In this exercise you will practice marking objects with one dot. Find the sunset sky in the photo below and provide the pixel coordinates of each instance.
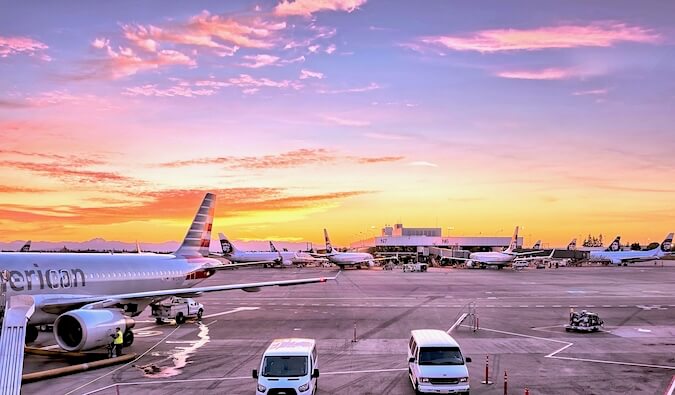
(116, 117)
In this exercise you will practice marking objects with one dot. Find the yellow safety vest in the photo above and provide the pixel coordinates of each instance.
(119, 339)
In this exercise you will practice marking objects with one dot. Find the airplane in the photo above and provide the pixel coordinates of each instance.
(86, 296)
(501, 259)
(299, 258)
(537, 245)
(351, 259)
(248, 258)
(26, 247)
(626, 257)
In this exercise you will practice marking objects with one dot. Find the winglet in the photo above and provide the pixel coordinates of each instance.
(198, 237)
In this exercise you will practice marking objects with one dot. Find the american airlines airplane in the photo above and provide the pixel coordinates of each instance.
(626, 257)
(274, 257)
(351, 259)
(86, 296)
(501, 259)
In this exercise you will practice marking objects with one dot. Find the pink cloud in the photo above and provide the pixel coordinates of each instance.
(252, 84)
(308, 7)
(125, 62)
(599, 34)
(257, 61)
(304, 74)
(21, 45)
(370, 87)
(256, 34)
(545, 74)
(177, 90)
(593, 92)
(140, 36)
(346, 122)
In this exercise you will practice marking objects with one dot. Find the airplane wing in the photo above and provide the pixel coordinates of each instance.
(536, 257)
(234, 265)
(62, 304)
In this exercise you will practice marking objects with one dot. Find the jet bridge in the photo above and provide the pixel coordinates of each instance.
(18, 310)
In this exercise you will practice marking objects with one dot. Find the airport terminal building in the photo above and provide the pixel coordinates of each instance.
(399, 239)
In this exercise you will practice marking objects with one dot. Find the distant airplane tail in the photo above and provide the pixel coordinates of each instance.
(572, 245)
(198, 237)
(226, 245)
(537, 245)
(26, 247)
(273, 248)
(329, 246)
(616, 245)
(514, 241)
(667, 244)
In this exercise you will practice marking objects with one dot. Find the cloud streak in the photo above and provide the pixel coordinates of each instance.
(10, 46)
(308, 7)
(598, 34)
(544, 74)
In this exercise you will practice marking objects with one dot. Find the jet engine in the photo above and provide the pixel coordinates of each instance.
(85, 329)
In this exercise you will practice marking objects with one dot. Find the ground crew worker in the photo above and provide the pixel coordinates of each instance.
(118, 341)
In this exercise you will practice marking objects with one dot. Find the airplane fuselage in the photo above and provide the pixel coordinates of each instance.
(617, 257)
(491, 258)
(257, 256)
(63, 275)
(350, 258)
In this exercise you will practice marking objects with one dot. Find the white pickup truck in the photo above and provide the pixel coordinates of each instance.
(177, 308)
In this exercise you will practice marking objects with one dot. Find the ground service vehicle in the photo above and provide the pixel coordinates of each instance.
(436, 364)
(288, 366)
(177, 308)
(584, 321)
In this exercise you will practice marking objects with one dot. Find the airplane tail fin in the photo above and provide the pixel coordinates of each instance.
(572, 245)
(198, 237)
(514, 241)
(329, 246)
(616, 245)
(667, 244)
(26, 247)
(537, 245)
(273, 248)
(226, 244)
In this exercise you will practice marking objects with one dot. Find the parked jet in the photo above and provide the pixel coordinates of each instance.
(86, 296)
(501, 259)
(537, 245)
(626, 257)
(299, 258)
(350, 259)
(274, 257)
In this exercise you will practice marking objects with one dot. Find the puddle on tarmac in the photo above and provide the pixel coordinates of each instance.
(179, 355)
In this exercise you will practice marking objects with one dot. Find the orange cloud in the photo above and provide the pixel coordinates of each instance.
(21, 45)
(545, 74)
(308, 7)
(599, 34)
(296, 158)
(171, 204)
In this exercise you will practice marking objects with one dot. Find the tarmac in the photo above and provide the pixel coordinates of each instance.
(520, 316)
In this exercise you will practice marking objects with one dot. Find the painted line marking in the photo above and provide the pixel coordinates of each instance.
(671, 389)
(238, 309)
(606, 305)
(160, 382)
(557, 305)
(523, 306)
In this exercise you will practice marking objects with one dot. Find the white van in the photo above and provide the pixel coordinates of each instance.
(288, 367)
(436, 364)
